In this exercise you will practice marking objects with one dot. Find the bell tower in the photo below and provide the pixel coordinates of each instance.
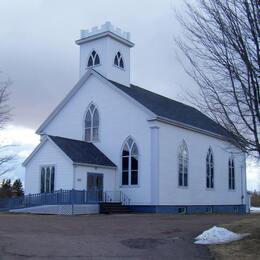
(107, 50)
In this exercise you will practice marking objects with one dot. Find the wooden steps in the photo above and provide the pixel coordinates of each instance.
(113, 208)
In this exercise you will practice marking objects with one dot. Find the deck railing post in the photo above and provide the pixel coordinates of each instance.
(72, 201)
(29, 200)
(84, 196)
(60, 196)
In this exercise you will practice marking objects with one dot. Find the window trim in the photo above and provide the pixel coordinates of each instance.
(91, 128)
(232, 187)
(129, 185)
(55, 175)
(183, 144)
(90, 55)
(210, 151)
(121, 56)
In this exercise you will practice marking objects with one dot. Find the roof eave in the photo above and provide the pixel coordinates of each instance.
(189, 127)
(104, 34)
(94, 165)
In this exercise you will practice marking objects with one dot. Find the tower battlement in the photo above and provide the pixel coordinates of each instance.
(106, 27)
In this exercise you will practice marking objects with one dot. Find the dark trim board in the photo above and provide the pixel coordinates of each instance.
(184, 209)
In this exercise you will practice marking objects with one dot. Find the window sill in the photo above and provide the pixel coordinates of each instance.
(210, 189)
(123, 69)
(129, 186)
(94, 66)
(182, 187)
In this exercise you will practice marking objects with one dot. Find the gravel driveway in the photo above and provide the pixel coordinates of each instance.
(131, 236)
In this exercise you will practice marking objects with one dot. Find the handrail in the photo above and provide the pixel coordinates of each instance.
(116, 196)
(64, 197)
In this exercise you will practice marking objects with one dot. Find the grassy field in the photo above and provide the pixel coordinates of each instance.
(247, 248)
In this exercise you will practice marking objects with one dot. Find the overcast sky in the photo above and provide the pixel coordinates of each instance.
(38, 53)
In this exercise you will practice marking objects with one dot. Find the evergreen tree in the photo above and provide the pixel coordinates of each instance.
(17, 188)
(6, 188)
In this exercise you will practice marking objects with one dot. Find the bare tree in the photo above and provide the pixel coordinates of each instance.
(221, 41)
(5, 156)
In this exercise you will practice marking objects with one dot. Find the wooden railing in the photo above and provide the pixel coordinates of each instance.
(63, 197)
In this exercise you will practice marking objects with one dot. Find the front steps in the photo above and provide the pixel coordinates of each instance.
(113, 208)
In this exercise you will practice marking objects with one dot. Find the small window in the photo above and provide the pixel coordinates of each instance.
(209, 210)
(130, 163)
(210, 170)
(93, 59)
(92, 124)
(118, 60)
(231, 174)
(182, 210)
(183, 165)
(47, 179)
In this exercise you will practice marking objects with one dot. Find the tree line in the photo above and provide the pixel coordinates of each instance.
(10, 190)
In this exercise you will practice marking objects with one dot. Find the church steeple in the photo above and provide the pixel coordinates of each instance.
(107, 50)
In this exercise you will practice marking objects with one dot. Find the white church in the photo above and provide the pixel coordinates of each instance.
(112, 136)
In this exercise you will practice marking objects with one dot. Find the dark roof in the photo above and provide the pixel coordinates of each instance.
(82, 152)
(171, 109)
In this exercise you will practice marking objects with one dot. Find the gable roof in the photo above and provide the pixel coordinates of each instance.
(81, 152)
(75, 89)
(160, 107)
(171, 109)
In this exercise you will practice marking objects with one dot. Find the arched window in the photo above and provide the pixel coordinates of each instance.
(183, 160)
(231, 174)
(118, 61)
(210, 169)
(93, 59)
(92, 124)
(130, 163)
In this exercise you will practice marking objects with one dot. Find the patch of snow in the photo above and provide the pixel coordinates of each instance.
(217, 235)
(255, 209)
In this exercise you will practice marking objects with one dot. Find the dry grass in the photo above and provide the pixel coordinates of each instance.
(247, 248)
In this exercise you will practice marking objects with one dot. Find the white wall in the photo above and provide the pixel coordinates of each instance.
(196, 193)
(49, 154)
(119, 118)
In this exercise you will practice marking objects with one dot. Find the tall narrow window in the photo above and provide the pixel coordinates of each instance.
(231, 174)
(92, 124)
(130, 163)
(47, 179)
(183, 160)
(210, 170)
(93, 59)
(118, 61)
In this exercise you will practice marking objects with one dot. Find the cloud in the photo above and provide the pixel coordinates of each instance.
(18, 135)
(24, 154)
(253, 176)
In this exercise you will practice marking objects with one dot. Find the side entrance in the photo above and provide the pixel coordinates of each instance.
(95, 186)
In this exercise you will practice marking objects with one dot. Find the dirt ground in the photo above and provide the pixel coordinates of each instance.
(245, 249)
(131, 236)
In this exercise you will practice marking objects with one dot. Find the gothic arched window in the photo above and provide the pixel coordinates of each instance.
(118, 61)
(231, 174)
(93, 59)
(183, 160)
(129, 160)
(92, 124)
(210, 169)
